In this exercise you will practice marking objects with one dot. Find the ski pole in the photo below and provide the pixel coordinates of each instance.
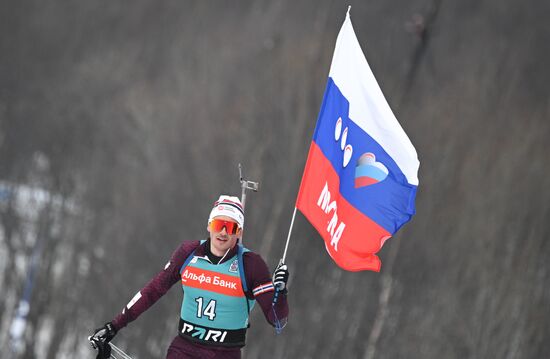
(277, 290)
(120, 352)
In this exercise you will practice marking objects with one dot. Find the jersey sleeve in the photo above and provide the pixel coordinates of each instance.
(157, 287)
(258, 279)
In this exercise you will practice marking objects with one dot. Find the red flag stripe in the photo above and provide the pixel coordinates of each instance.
(361, 238)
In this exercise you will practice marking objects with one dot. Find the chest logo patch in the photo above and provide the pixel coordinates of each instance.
(234, 267)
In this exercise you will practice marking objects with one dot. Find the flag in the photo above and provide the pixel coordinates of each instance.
(361, 175)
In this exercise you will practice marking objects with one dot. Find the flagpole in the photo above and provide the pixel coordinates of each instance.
(288, 237)
(277, 290)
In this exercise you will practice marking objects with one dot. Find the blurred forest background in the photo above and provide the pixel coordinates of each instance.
(121, 123)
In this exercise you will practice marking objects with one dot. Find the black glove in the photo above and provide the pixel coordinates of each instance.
(101, 338)
(103, 350)
(280, 277)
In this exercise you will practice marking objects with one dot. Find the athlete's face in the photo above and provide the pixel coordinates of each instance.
(221, 241)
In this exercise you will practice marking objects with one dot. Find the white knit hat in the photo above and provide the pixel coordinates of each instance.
(229, 206)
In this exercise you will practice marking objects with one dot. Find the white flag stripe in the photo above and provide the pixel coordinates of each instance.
(368, 108)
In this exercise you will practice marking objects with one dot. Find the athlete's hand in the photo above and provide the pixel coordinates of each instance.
(103, 335)
(101, 338)
(280, 277)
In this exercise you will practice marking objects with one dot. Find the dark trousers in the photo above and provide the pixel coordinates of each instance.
(184, 349)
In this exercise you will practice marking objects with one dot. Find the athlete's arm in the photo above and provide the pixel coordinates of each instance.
(157, 287)
(258, 279)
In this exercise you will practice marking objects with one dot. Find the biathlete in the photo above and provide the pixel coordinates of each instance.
(221, 282)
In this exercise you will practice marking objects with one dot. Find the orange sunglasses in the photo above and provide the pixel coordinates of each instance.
(217, 225)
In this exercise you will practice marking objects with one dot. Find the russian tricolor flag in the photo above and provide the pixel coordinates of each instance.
(361, 175)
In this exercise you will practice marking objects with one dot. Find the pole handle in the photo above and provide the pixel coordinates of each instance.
(275, 296)
(277, 289)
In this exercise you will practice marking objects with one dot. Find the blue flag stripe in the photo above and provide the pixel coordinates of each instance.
(390, 203)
